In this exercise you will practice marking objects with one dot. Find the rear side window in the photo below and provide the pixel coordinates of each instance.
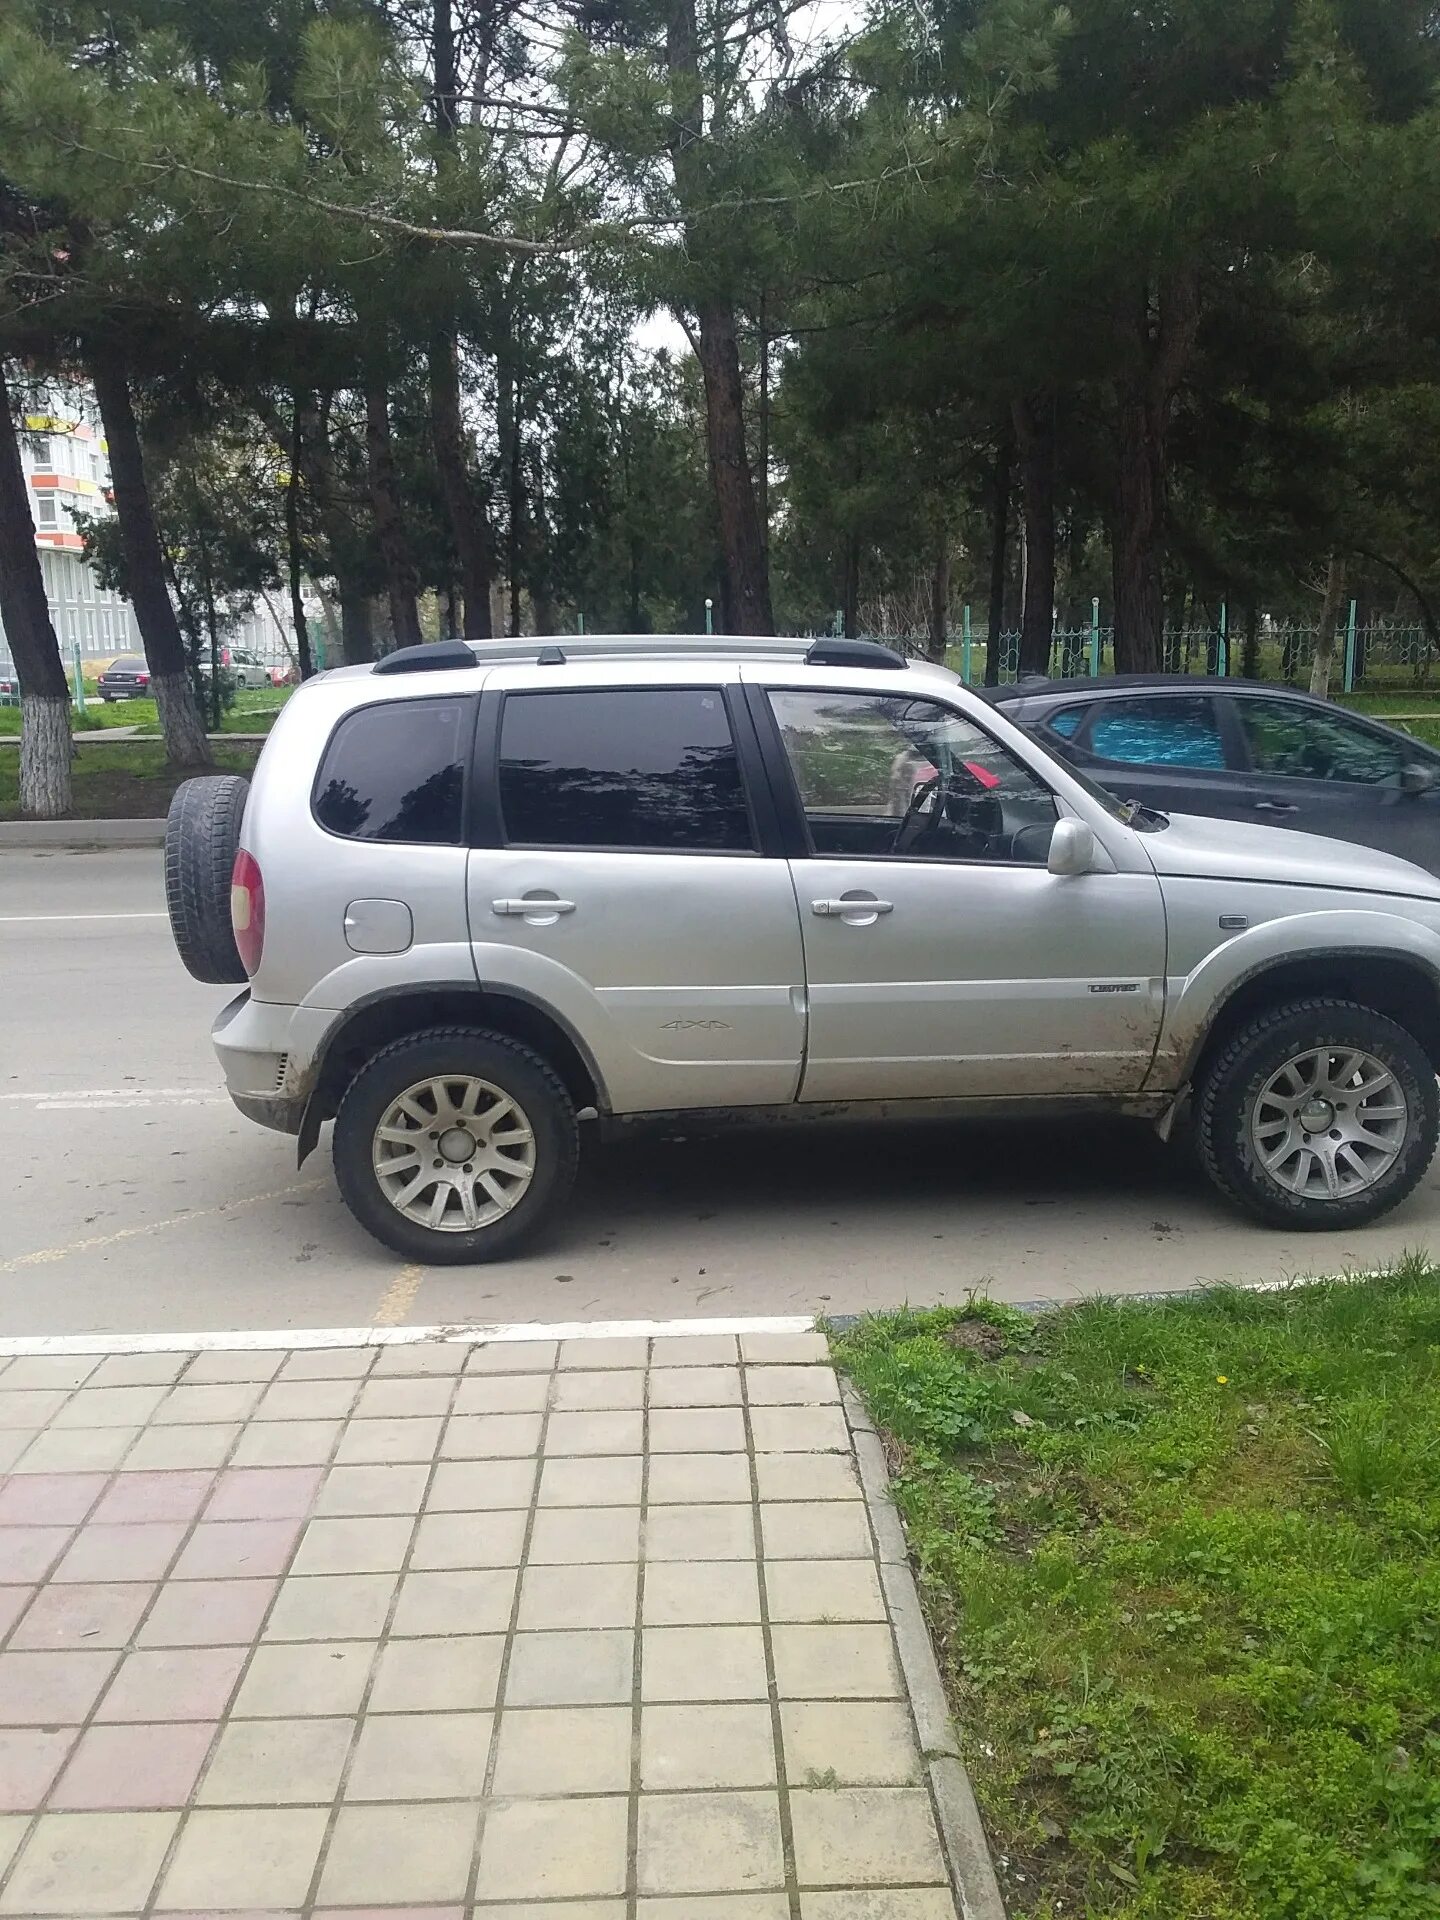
(1179, 730)
(396, 772)
(653, 769)
(1066, 722)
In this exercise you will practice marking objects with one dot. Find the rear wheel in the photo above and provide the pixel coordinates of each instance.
(202, 837)
(1320, 1114)
(455, 1145)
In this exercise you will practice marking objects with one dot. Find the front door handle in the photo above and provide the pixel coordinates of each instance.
(860, 909)
(1275, 806)
(537, 906)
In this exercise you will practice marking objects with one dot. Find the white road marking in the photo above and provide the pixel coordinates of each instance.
(16, 919)
(99, 1098)
(476, 1333)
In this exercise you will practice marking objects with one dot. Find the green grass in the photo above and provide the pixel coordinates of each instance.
(254, 711)
(118, 780)
(1182, 1563)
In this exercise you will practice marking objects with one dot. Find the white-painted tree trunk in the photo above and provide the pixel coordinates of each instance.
(45, 754)
(181, 727)
(1321, 665)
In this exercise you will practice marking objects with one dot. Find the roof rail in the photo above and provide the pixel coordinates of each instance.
(853, 653)
(438, 656)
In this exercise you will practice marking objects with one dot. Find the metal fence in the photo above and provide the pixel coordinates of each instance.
(1375, 656)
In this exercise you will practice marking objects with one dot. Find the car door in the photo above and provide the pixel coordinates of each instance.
(1164, 748)
(942, 957)
(1318, 769)
(620, 875)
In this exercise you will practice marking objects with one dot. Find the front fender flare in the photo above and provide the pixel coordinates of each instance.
(1343, 934)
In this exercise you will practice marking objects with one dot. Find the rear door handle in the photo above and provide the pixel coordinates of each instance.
(1275, 806)
(536, 905)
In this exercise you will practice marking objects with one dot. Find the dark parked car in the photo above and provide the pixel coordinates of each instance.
(126, 678)
(9, 687)
(1239, 750)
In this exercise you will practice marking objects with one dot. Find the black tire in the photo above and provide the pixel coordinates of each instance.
(202, 834)
(1233, 1081)
(530, 1081)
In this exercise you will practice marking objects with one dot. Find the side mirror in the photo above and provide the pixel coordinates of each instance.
(1418, 779)
(1072, 848)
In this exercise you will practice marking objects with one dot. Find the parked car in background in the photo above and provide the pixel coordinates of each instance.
(1241, 750)
(9, 687)
(245, 669)
(126, 678)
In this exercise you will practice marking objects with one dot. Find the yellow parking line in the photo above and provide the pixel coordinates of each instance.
(395, 1302)
(43, 1256)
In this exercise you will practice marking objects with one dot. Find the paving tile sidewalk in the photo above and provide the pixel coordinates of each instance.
(577, 1630)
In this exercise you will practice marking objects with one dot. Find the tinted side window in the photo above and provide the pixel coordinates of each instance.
(396, 772)
(1180, 730)
(1286, 737)
(653, 769)
(1066, 721)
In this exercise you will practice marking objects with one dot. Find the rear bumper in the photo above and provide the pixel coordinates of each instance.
(269, 1054)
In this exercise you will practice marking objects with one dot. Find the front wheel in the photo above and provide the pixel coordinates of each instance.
(1320, 1114)
(455, 1145)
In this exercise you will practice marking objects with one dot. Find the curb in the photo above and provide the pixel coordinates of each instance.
(75, 835)
(972, 1873)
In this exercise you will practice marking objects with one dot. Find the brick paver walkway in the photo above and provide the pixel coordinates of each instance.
(587, 1631)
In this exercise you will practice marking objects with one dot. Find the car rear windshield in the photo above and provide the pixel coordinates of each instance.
(653, 769)
(397, 772)
(127, 663)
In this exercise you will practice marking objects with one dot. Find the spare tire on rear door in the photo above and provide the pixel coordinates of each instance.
(202, 834)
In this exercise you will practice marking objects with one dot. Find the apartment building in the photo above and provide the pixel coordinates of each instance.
(67, 473)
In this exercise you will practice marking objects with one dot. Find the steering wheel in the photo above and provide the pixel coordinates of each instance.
(916, 824)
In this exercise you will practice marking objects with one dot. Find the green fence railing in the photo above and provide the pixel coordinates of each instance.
(1369, 657)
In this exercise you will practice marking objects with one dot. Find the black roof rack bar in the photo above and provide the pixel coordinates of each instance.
(439, 656)
(853, 653)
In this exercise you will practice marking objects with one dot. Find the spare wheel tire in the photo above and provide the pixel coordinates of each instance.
(202, 834)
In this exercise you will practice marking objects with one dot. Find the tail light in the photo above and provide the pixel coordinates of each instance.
(247, 910)
(142, 679)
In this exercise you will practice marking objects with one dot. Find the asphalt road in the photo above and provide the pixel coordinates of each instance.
(133, 1198)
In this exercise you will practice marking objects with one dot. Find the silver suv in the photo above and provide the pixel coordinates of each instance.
(483, 893)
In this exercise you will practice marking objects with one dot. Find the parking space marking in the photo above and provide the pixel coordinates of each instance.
(395, 1301)
(45, 1256)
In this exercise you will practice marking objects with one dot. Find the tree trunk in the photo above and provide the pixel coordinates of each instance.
(999, 546)
(745, 587)
(357, 631)
(938, 639)
(464, 511)
(742, 543)
(1325, 638)
(45, 749)
(294, 543)
(1034, 422)
(402, 581)
(850, 589)
(181, 726)
(1157, 340)
(1250, 649)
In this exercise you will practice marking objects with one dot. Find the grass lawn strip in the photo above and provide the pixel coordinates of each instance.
(120, 780)
(1180, 1563)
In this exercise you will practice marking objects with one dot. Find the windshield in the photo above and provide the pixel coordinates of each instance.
(1128, 812)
